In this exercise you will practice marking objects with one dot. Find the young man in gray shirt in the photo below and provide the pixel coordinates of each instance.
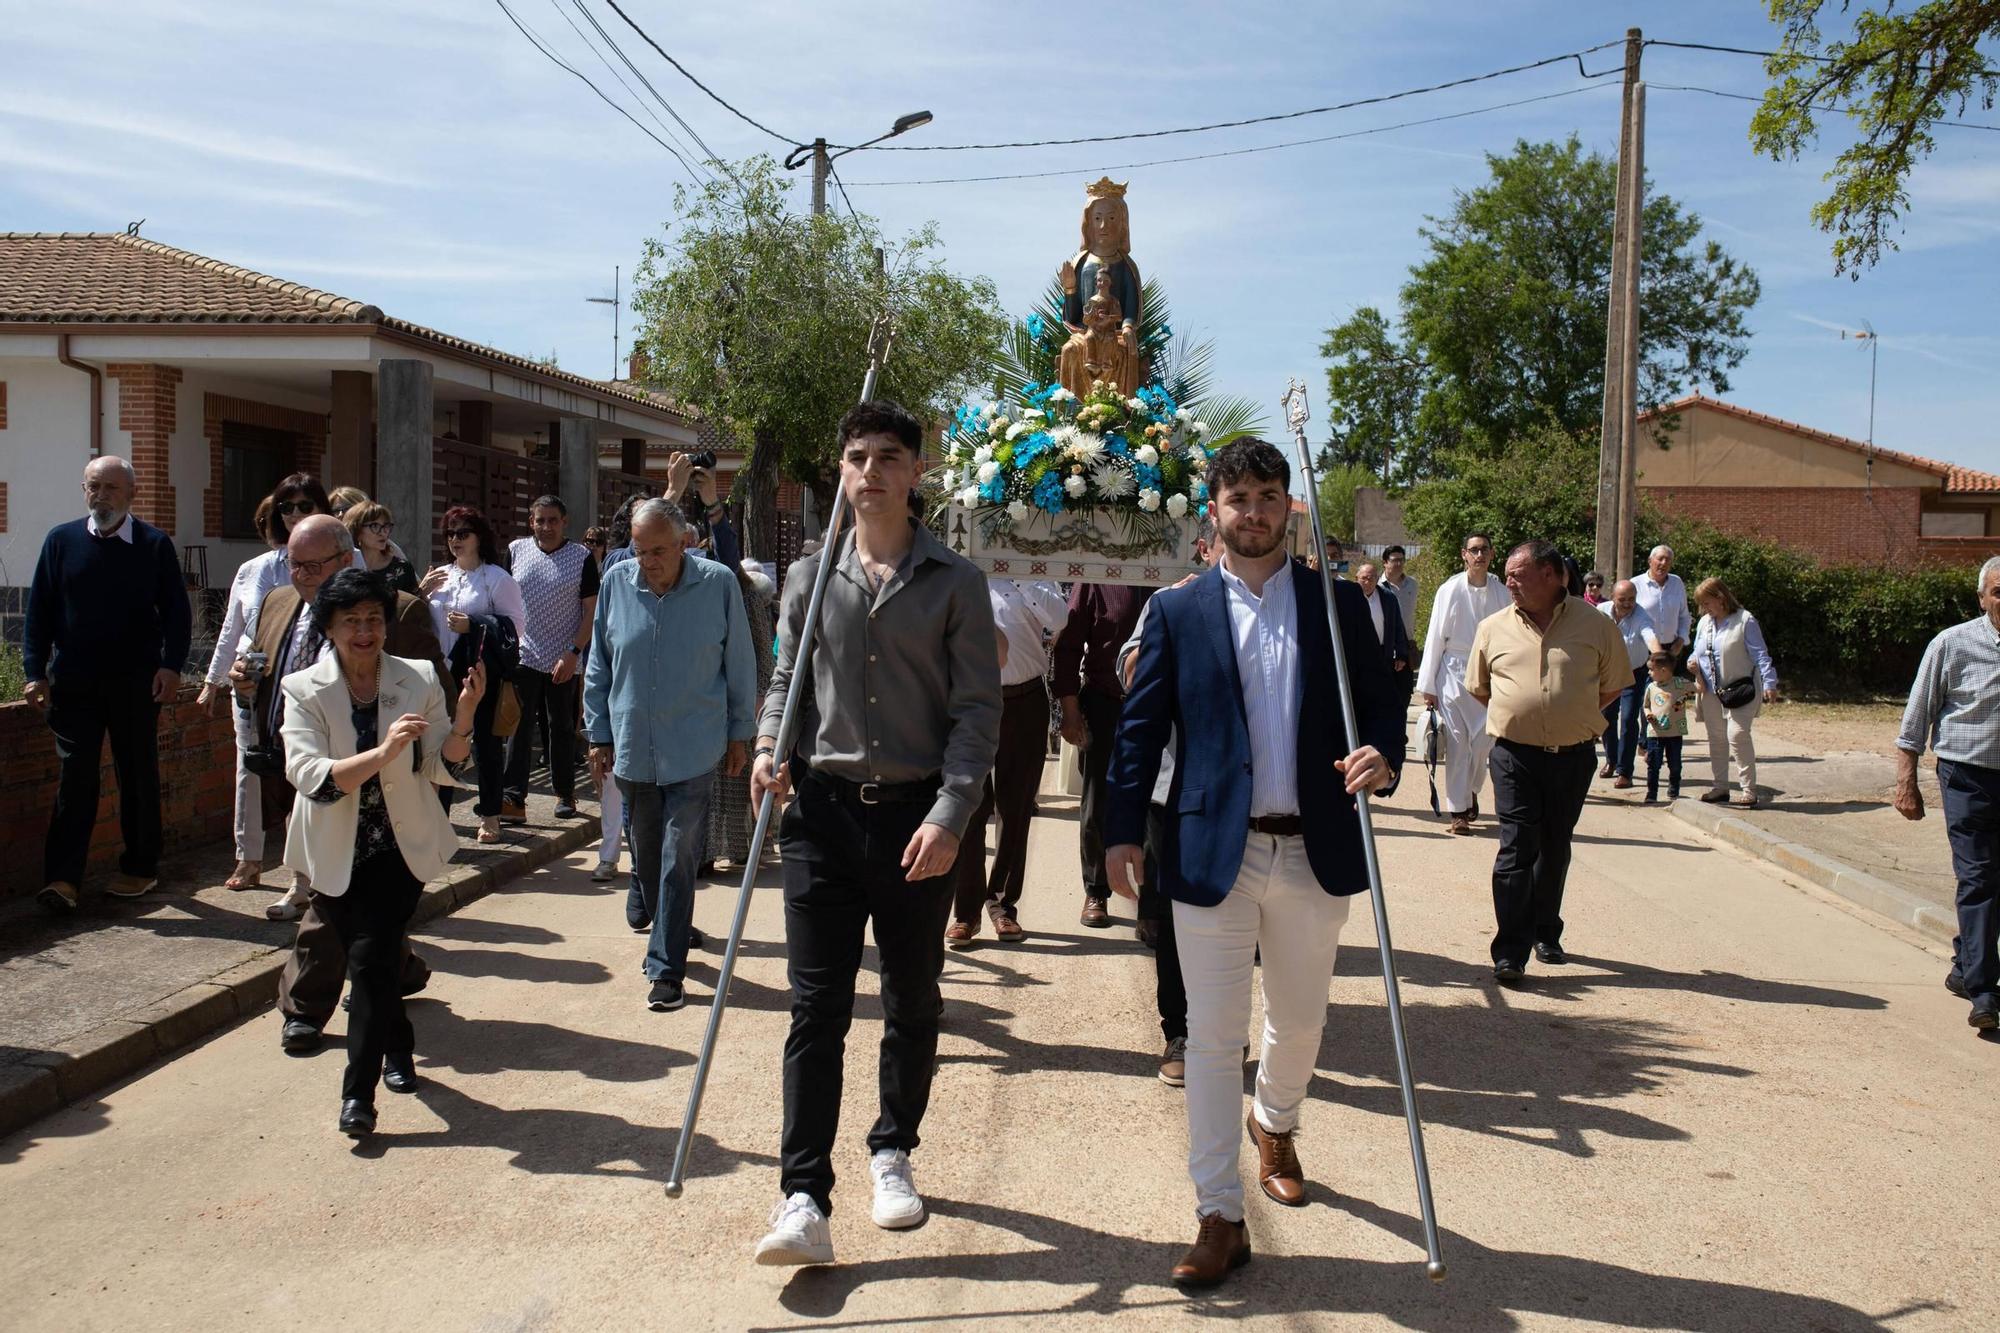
(900, 724)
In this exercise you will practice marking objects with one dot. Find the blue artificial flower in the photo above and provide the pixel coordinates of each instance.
(994, 491)
(1037, 326)
(1034, 446)
(1200, 492)
(1146, 475)
(1114, 443)
(1049, 493)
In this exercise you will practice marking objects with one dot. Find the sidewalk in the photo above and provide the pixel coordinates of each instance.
(89, 999)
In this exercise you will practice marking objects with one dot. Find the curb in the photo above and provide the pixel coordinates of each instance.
(1876, 894)
(49, 1080)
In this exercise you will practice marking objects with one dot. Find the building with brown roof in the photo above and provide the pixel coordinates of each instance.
(215, 381)
(1840, 499)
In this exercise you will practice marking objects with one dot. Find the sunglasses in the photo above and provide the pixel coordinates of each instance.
(458, 534)
(297, 507)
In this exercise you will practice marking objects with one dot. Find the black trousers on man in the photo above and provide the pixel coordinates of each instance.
(82, 712)
(1537, 796)
(1169, 991)
(1100, 720)
(1010, 792)
(543, 704)
(843, 871)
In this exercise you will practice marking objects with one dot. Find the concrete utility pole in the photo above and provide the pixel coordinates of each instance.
(1628, 408)
(1610, 464)
(821, 163)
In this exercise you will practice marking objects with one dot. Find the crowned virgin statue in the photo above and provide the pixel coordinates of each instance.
(1098, 280)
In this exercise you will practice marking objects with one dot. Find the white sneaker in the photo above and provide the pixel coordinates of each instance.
(897, 1203)
(799, 1234)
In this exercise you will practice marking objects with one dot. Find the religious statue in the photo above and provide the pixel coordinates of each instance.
(1102, 271)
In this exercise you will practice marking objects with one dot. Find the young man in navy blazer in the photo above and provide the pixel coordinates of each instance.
(1262, 846)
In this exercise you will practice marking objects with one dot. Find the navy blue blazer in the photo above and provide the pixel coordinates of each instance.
(1185, 682)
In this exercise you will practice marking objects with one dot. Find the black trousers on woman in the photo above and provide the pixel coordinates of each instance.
(371, 918)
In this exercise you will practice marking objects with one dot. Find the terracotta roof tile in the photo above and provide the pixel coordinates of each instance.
(1956, 479)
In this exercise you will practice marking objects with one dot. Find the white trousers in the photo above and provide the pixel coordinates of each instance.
(1467, 745)
(1729, 732)
(610, 821)
(249, 788)
(1276, 905)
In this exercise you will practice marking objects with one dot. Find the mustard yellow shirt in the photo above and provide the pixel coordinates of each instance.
(1543, 686)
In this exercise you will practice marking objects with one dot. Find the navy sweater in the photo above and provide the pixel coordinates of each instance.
(102, 607)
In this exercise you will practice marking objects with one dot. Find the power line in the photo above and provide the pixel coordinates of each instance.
(714, 96)
(834, 172)
(1261, 148)
(608, 101)
(1577, 56)
(651, 114)
(1745, 97)
(1801, 55)
(626, 60)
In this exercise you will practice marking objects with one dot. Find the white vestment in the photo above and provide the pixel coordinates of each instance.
(1455, 616)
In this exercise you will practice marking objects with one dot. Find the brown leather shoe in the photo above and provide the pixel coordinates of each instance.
(1006, 927)
(513, 812)
(959, 934)
(1220, 1248)
(1278, 1169)
(1461, 824)
(1093, 914)
(1623, 782)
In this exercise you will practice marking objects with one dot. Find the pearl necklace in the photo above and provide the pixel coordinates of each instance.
(373, 694)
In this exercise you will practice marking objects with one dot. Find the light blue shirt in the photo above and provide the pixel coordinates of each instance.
(673, 679)
(1955, 701)
(1265, 630)
(1665, 604)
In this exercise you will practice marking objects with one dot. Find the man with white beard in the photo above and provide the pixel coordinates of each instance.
(1462, 601)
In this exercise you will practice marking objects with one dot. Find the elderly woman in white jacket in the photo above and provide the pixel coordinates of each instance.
(367, 737)
(1730, 660)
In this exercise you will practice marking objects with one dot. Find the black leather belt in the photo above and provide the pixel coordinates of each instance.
(1025, 687)
(1547, 749)
(1278, 826)
(923, 790)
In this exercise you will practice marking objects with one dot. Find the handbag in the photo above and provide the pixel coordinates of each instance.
(507, 711)
(1738, 692)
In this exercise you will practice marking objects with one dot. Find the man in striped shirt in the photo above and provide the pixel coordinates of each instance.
(1955, 708)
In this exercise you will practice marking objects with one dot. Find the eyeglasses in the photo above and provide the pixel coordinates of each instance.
(458, 534)
(297, 507)
(379, 529)
(311, 568)
(1478, 550)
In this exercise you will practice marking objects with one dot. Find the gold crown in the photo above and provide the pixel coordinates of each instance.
(1105, 188)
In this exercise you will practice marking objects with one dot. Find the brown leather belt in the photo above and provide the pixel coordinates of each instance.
(1278, 826)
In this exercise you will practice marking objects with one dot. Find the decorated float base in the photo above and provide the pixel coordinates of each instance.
(1082, 546)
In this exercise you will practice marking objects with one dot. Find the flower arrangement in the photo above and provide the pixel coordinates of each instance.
(1057, 453)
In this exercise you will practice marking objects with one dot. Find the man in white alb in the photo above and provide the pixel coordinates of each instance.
(1463, 600)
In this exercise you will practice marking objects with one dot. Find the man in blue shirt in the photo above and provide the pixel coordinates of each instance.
(670, 691)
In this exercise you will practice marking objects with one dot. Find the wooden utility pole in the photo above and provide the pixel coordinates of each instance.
(1628, 408)
(1624, 286)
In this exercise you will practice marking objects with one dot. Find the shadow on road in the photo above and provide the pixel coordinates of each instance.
(510, 965)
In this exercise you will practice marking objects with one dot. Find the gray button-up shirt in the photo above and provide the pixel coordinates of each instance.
(905, 682)
(1955, 703)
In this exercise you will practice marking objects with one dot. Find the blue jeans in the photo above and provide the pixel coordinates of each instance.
(669, 826)
(1972, 823)
(1621, 730)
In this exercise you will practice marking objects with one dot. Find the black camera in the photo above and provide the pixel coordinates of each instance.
(705, 459)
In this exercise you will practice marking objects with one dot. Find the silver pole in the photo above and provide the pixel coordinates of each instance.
(878, 352)
(1295, 416)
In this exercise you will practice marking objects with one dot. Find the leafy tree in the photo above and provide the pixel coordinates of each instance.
(1502, 327)
(760, 317)
(1895, 76)
(1337, 485)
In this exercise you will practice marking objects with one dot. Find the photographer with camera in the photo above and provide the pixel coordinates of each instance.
(690, 487)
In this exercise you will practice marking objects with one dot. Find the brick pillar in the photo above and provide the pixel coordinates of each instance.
(146, 405)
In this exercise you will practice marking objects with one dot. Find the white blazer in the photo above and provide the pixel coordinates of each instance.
(319, 729)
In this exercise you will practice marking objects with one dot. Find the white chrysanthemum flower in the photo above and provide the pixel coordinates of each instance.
(1181, 414)
(1017, 510)
(1112, 481)
(988, 471)
(1018, 429)
(1033, 412)
(1061, 395)
(1199, 427)
(1177, 505)
(1198, 459)
(1148, 455)
(982, 454)
(1134, 405)
(997, 427)
(989, 411)
(1075, 486)
(969, 496)
(1149, 499)
(1083, 447)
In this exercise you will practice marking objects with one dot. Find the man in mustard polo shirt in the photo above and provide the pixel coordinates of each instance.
(1545, 668)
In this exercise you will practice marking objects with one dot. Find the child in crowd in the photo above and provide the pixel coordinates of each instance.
(1666, 728)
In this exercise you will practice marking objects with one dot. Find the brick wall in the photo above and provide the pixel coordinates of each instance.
(3, 404)
(1835, 523)
(197, 785)
(309, 428)
(146, 395)
(3, 503)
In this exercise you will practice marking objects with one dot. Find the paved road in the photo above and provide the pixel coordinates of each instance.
(1745, 1107)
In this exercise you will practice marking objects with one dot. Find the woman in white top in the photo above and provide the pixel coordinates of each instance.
(238, 619)
(1729, 651)
(475, 583)
(367, 737)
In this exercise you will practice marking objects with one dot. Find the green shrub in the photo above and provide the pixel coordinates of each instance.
(12, 676)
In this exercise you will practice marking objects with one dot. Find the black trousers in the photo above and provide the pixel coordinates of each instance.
(81, 714)
(489, 754)
(1169, 991)
(1100, 719)
(1010, 792)
(1971, 798)
(543, 703)
(316, 968)
(842, 868)
(1537, 796)
(371, 919)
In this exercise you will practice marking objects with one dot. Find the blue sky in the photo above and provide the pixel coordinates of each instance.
(426, 158)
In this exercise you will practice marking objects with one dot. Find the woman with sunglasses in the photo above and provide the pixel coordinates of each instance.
(475, 583)
(371, 524)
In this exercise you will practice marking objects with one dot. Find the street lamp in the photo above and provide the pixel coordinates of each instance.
(822, 161)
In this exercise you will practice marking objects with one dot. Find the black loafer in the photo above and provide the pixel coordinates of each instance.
(1552, 954)
(299, 1036)
(696, 939)
(1985, 1013)
(640, 927)
(1509, 971)
(399, 1073)
(357, 1118)
(1955, 983)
